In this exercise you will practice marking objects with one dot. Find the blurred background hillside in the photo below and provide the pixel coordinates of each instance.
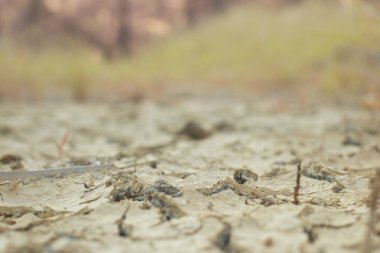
(125, 48)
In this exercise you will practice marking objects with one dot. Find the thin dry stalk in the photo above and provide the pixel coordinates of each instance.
(375, 194)
(298, 185)
(61, 145)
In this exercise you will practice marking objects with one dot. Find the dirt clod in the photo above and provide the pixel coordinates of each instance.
(268, 242)
(351, 140)
(195, 131)
(319, 172)
(338, 187)
(13, 161)
(311, 234)
(268, 201)
(129, 188)
(242, 176)
(163, 186)
(168, 208)
(16, 211)
(223, 126)
(223, 238)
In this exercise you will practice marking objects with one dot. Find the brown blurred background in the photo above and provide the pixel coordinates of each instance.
(88, 48)
(113, 27)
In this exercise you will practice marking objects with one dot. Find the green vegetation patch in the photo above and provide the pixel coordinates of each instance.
(326, 46)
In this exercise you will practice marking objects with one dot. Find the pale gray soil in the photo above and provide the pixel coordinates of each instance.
(225, 187)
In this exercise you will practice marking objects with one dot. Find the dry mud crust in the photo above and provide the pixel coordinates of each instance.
(223, 179)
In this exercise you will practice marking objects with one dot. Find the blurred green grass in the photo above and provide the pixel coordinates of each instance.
(309, 45)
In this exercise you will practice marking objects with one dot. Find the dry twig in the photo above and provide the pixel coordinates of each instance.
(298, 184)
(63, 171)
(61, 145)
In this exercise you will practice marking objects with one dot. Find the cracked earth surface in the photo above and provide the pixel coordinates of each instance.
(220, 177)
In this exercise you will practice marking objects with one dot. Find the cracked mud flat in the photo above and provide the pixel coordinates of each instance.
(222, 179)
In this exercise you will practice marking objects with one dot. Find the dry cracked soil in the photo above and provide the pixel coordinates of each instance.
(206, 174)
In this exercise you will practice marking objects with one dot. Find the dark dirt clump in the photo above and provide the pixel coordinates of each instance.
(242, 176)
(168, 208)
(195, 131)
(130, 187)
(165, 187)
(13, 161)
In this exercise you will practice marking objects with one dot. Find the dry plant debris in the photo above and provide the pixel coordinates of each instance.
(216, 188)
(255, 192)
(242, 190)
(62, 144)
(298, 184)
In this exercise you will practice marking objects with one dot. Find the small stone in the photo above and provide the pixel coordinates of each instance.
(242, 176)
(195, 131)
(338, 187)
(351, 141)
(268, 242)
(268, 201)
(13, 161)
